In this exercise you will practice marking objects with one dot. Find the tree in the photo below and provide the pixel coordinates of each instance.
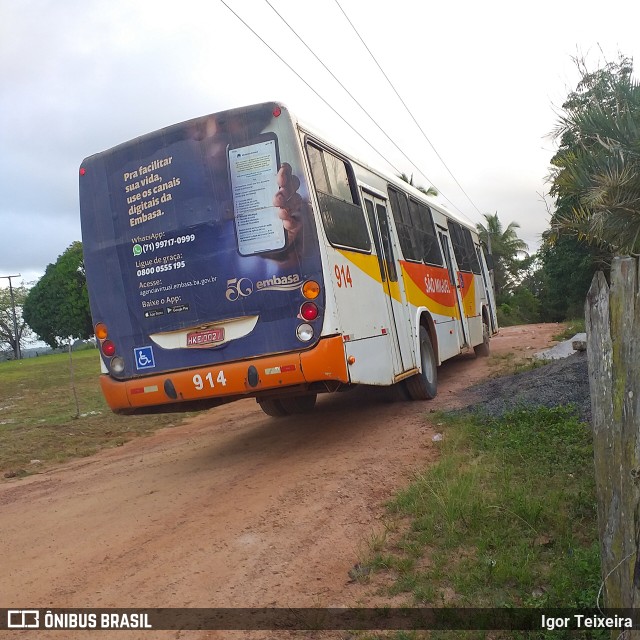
(571, 252)
(57, 307)
(596, 176)
(8, 341)
(431, 191)
(566, 271)
(506, 248)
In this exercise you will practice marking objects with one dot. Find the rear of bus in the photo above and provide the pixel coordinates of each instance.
(203, 265)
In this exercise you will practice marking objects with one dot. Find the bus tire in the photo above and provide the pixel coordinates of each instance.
(299, 404)
(424, 385)
(397, 392)
(483, 349)
(273, 407)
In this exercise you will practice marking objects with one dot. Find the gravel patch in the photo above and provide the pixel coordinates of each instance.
(558, 383)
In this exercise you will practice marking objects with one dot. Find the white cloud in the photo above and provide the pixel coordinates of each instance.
(481, 78)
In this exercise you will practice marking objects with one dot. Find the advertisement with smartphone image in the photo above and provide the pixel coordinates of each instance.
(253, 171)
(198, 224)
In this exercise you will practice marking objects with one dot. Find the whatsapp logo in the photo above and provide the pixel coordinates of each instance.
(137, 249)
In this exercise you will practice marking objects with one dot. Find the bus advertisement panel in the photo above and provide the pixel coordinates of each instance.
(198, 241)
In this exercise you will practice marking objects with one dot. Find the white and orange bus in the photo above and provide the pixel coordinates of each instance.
(241, 255)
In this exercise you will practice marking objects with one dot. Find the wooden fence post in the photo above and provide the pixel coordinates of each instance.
(613, 348)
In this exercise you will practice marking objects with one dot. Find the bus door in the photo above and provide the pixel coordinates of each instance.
(379, 223)
(455, 280)
(488, 288)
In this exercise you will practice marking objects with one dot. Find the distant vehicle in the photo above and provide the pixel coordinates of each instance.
(241, 255)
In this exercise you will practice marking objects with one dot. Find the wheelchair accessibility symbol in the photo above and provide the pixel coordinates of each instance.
(144, 358)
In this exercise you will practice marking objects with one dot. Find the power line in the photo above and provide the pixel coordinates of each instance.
(350, 95)
(310, 87)
(384, 158)
(408, 110)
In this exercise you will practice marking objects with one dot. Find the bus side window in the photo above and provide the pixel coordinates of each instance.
(400, 212)
(389, 258)
(447, 254)
(338, 178)
(317, 169)
(342, 217)
(459, 247)
(416, 231)
(425, 233)
(471, 251)
(376, 240)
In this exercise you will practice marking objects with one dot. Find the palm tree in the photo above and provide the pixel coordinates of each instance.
(506, 248)
(431, 191)
(597, 168)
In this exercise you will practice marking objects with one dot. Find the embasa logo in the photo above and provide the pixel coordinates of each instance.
(280, 283)
(242, 287)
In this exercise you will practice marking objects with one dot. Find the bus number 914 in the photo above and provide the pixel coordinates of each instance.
(343, 276)
(200, 383)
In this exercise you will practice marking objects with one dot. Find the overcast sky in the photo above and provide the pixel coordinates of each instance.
(484, 81)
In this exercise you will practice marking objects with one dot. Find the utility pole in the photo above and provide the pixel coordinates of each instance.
(18, 355)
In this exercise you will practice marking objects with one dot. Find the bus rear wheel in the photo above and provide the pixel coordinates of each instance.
(280, 407)
(483, 349)
(424, 385)
(273, 408)
(300, 404)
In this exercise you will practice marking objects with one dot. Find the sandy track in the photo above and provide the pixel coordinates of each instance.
(231, 509)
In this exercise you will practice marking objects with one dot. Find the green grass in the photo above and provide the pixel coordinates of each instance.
(506, 518)
(37, 413)
(571, 327)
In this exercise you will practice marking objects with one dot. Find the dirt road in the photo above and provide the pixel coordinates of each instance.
(231, 509)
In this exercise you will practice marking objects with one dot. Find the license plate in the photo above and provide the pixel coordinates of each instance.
(205, 338)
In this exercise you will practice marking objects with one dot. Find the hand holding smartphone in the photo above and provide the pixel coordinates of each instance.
(253, 171)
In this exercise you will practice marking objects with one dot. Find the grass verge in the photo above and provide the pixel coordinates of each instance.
(570, 329)
(506, 518)
(37, 412)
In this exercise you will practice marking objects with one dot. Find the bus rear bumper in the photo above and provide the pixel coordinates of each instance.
(197, 388)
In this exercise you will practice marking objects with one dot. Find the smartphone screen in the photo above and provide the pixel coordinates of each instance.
(253, 170)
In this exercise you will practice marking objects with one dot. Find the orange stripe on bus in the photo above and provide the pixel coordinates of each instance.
(425, 285)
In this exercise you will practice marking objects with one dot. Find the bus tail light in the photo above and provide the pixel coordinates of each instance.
(117, 365)
(108, 348)
(310, 289)
(101, 331)
(304, 332)
(309, 311)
